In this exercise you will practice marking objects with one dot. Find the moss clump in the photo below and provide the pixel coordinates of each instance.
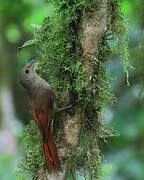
(34, 158)
(118, 30)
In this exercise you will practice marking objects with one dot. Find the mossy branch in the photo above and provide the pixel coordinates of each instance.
(73, 47)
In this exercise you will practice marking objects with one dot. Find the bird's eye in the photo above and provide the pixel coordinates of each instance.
(26, 71)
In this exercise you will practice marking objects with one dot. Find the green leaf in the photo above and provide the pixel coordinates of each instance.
(27, 43)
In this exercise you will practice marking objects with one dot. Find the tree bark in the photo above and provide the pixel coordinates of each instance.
(93, 30)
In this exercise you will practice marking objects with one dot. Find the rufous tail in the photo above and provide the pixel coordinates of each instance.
(51, 157)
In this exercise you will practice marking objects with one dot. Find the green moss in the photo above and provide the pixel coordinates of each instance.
(118, 29)
(61, 63)
(34, 158)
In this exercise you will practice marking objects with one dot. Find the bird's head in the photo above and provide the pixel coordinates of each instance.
(27, 74)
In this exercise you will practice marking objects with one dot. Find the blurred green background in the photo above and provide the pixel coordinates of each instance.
(18, 19)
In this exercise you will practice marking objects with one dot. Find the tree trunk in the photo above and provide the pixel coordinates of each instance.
(91, 32)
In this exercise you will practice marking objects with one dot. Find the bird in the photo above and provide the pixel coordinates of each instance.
(41, 101)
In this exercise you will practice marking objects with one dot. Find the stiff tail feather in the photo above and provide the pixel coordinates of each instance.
(50, 152)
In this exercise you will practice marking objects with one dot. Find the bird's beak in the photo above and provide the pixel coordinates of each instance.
(33, 63)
